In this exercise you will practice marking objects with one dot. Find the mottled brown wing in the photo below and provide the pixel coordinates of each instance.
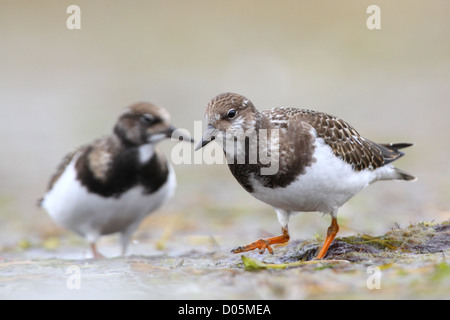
(347, 143)
(59, 171)
(62, 166)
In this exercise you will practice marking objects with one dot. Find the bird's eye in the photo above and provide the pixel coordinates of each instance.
(231, 113)
(148, 117)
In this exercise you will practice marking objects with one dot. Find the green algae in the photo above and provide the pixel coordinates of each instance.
(421, 238)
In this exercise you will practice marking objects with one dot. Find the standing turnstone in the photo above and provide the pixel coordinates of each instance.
(113, 183)
(322, 161)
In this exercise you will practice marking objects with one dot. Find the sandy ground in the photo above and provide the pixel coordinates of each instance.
(409, 263)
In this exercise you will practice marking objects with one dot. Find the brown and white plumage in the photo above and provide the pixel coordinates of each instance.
(322, 160)
(111, 184)
(343, 139)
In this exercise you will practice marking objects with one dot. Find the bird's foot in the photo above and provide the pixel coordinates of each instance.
(263, 244)
(95, 253)
(331, 233)
(260, 244)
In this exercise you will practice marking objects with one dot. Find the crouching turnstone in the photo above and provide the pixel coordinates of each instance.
(113, 183)
(320, 161)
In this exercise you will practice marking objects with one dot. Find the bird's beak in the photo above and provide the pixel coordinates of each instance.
(173, 132)
(208, 136)
(170, 131)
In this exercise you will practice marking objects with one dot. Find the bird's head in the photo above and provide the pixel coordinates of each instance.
(228, 114)
(144, 123)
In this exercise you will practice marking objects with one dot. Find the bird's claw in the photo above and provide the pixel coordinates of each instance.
(260, 244)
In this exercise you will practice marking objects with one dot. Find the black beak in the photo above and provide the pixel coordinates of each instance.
(173, 132)
(208, 136)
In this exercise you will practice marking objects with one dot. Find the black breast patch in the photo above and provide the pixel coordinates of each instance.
(124, 173)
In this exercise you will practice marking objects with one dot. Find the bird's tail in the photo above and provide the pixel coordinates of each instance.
(402, 175)
(391, 153)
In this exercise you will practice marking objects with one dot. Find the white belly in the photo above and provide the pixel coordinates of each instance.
(71, 205)
(325, 186)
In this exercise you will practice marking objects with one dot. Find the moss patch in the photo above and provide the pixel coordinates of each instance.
(421, 238)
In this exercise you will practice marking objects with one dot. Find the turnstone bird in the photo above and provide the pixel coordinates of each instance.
(113, 183)
(321, 160)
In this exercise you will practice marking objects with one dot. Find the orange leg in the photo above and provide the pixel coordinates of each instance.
(263, 244)
(95, 253)
(331, 233)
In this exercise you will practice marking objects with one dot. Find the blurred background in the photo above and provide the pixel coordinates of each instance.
(61, 88)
